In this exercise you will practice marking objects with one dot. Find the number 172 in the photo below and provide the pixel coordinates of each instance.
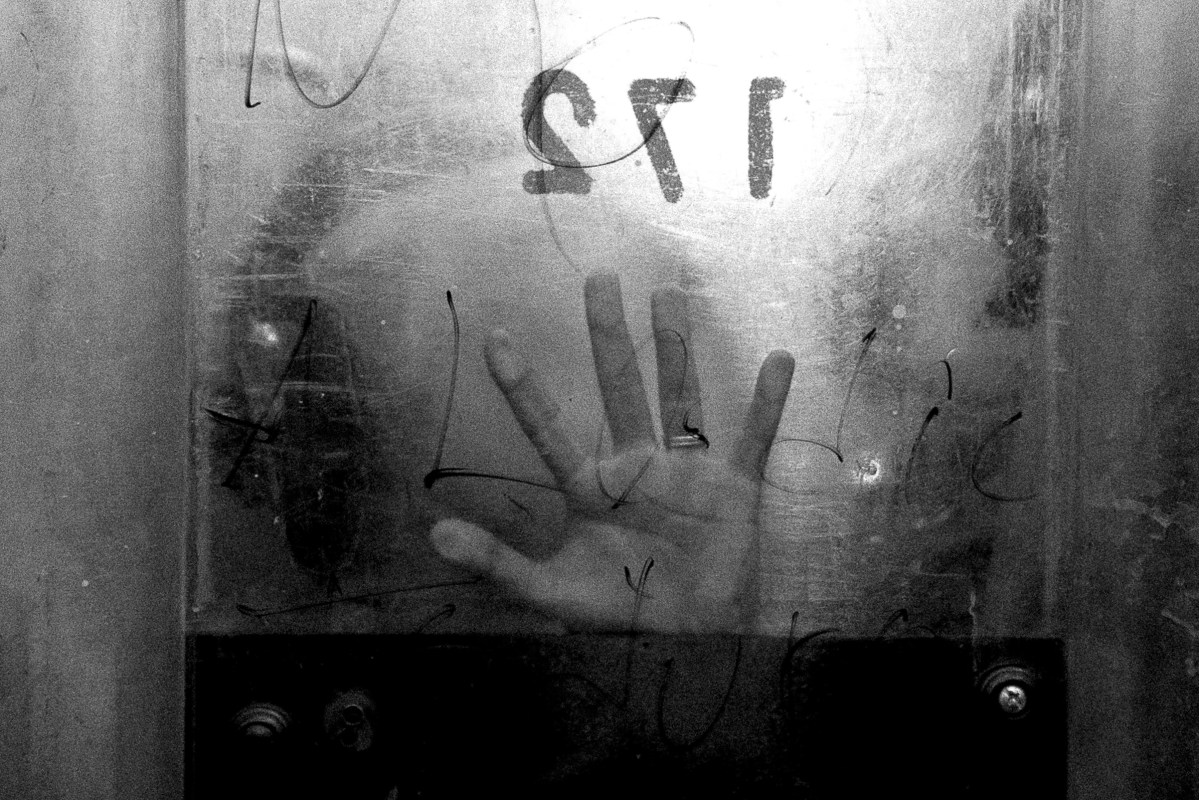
(567, 175)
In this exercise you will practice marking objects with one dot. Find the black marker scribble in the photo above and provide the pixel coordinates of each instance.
(978, 457)
(250, 611)
(639, 594)
(793, 647)
(638, 587)
(449, 402)
(899, 616)
(519, 505)
(835, 448)
(259, 424)
(439, 472)
(948, 380)
(541, 88)
(668, 425)
(458, 472)
(307, 393)
(445, 612)
(867, 340)
(907, 474)
(827, 447)
(617, 502)
(724, 701)
(291, 73)
(253, 49)
(902, 616)
(226, 419)
(695, 432)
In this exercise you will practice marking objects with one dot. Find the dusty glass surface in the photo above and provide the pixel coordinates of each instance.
(867, 185)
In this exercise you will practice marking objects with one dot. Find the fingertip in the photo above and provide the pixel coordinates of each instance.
(499, 337)
(501, 357)
(463, 543)
(668, 309)
(601, 281)
(602, 300)
(774, 379)
(668, 297)
(765, 412)
(781, 363)
(472, 547)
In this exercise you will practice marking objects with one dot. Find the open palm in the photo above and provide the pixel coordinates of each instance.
(660, 536)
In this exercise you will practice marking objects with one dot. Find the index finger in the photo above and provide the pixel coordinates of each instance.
(537, 413)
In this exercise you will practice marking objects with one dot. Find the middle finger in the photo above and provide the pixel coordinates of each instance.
(678, 378)
(616, 365)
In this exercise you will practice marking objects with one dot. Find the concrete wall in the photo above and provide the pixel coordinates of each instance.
(94, 397)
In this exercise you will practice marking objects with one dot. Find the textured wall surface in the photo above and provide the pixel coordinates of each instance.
(1128, 410)
(93, 441)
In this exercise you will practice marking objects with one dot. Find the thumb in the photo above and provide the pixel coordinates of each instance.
(475, 548)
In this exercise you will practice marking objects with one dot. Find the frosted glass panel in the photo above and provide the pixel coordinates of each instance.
(866, 186)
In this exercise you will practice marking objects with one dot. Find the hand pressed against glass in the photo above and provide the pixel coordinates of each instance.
(693, 513)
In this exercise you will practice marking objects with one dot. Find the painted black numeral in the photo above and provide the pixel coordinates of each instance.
(567, 175)
(761, 134)
(646, 95)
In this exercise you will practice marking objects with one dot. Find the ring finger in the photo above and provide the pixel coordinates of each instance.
(678, 378)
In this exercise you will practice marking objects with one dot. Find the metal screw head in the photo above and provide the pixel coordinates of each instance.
(349, 720)
(1013, 698)
(353, 714)
(261, 722)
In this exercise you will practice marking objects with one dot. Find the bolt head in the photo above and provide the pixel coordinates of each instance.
(1013, 698)
(353, 714)
(261, 722)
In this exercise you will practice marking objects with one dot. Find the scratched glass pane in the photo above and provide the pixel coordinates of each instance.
(866, 185)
